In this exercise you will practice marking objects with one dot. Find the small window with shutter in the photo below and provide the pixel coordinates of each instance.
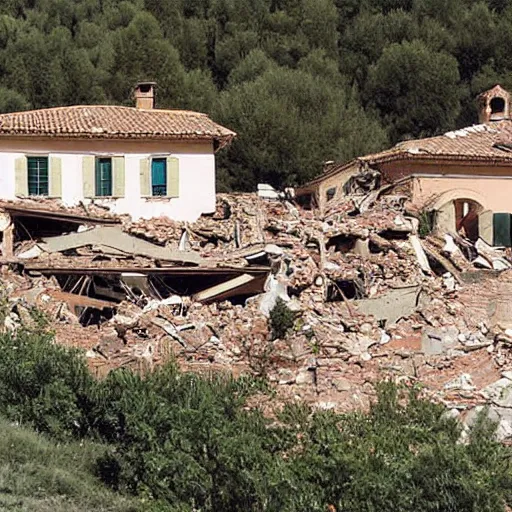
(103, 181)
(37, 172)
(159, 177)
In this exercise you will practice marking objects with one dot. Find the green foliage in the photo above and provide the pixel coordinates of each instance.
(282, 319)
(426, 222)
(294, 120)
(43, 384)
(39, 474)
(427, 104)
(183, 442)
(300, 81)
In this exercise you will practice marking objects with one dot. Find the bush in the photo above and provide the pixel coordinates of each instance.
(426, 223)
(282, 319)
(43, 384)
(187, 442)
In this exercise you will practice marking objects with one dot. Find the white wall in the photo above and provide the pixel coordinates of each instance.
(196, 167)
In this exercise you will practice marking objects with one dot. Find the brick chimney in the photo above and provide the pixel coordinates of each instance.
(144, 95)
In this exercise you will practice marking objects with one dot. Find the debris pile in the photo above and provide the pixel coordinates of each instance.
(370, 298)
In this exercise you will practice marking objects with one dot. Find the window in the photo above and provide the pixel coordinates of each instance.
(158, 177)
(37, 168)
(330, 193)
(103, 177)
(497, 105)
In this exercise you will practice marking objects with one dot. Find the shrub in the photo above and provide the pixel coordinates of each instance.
(426, 223)
(282, 319)
(188, 442)
(43, 384)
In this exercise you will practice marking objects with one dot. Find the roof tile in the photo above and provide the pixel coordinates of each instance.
(109, 121)
(474, 142)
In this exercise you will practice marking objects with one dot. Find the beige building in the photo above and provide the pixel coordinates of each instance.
(464, 177)
(141, 161)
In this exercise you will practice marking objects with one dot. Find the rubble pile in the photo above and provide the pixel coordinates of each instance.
(371, 298)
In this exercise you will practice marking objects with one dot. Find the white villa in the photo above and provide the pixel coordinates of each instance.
(137, 160)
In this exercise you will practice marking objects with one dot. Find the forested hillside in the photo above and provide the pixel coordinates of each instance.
(301, 81)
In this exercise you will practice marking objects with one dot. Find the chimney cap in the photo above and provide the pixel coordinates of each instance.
(140, 86)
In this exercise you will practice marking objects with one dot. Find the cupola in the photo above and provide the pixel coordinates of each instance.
(494, 105)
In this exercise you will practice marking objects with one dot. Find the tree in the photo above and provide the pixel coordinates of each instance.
(288, 122)
(416, 90)
(12, 101)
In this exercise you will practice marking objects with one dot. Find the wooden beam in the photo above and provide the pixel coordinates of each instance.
(73, 300)
(8, 241)
(162, 271)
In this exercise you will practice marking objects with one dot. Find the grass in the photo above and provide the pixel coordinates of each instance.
(39, 474)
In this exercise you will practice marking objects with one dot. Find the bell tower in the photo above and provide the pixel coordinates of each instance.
(494, 105)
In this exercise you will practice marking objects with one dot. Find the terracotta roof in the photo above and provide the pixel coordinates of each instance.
(480, 142)
(497, 90)
(113, 122)
(486, 143)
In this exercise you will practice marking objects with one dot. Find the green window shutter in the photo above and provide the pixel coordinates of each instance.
(88, 175)
(21, 176)
(145, 178)
(173, 176)
(119, 179)
(55, 177)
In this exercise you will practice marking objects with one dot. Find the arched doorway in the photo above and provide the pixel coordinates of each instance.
(457, 211)
(466, 217)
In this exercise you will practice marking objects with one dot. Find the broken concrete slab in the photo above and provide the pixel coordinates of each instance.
(362, 247)
(62, 215)
(500, 393)
(391, 307)
(492, 255)
(357, 345)
(33, 252)
(500, 264)
(276, 287)
(420, 253)
(439, 341)
(267, 191)
(115, 238)
(463, 382)
(481, 262)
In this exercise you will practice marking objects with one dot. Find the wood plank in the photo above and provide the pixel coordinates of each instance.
(241, 285)
(81, 300)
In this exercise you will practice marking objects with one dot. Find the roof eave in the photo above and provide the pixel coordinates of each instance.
(379, 159)
(224, 139)
(435, 157)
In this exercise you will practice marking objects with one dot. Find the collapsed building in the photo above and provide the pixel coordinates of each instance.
(377, 290)
(372, 298)
(461, 180)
